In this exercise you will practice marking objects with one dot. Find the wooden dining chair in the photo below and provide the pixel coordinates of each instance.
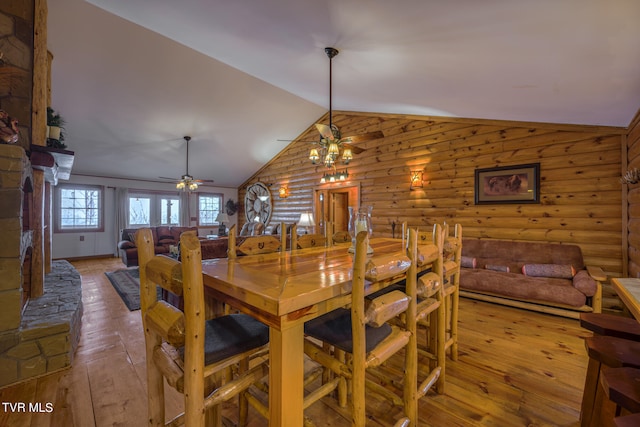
(431, 311)
(362, 331)
(194, 355)
(255, 245)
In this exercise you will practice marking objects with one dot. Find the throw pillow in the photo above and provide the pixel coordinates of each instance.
(560, 271)
(468, 262)
(503, 268)
(132, 237)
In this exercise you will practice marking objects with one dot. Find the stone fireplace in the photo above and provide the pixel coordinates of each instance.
(38, 335)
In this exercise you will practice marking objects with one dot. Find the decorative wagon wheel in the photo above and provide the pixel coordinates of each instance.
(257, 203)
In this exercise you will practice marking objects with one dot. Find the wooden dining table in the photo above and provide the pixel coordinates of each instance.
(628, 289)
(284, 291)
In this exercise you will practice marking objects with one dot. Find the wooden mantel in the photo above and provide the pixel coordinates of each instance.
(55, 163)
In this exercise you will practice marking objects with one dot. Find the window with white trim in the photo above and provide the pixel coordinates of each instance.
(152, 209)
(78, 208)
(209, 206)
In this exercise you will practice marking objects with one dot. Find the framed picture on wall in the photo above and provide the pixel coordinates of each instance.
(508, 184)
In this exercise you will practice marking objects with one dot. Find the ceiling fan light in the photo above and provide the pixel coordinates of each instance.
(180, 185)
(329, 160)
(314, 156)
(333, 149)
(193, 186)
(347, 155)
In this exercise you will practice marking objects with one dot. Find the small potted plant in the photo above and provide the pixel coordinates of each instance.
(55, 127)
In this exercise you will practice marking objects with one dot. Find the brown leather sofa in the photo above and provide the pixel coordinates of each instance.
(496, 271)
(164, 237)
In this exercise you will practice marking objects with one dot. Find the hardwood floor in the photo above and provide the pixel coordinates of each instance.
(516, 368)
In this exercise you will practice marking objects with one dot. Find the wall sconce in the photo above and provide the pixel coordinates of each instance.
(416, 180)
(283, 192)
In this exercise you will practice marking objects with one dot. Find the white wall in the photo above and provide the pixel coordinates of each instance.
(83, 244)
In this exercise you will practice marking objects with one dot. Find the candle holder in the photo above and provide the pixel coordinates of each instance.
(360, 220)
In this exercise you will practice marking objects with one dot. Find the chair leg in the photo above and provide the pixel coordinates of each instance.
(589, 392)
(155, 387)
(455, 301)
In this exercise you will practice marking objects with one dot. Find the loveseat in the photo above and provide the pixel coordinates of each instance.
(547, 277)
(163, 238)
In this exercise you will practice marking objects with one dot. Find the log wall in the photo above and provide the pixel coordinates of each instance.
(580, 166)
(633, 198)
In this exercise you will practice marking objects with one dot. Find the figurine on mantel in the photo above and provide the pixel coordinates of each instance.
(8, 128)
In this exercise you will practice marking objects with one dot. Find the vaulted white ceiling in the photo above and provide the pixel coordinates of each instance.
(132, 77)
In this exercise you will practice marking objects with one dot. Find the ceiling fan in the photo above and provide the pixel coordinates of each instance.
(187, 182)
(332, 144)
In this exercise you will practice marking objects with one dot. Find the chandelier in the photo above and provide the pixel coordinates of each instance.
(331, 145)
(187, 183)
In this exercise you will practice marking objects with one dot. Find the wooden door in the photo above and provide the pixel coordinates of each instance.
(340, 211)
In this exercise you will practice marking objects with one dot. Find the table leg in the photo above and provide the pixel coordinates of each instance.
(286, 376)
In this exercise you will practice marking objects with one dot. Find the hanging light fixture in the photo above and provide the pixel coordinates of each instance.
(187, 183)
(331, 144)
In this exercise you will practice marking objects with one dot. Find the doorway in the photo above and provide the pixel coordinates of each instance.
(333, 204)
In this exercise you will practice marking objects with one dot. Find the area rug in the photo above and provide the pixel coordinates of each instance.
(127, 283)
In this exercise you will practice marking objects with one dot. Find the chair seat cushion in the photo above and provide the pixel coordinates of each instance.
(335, 328)
(232, 334)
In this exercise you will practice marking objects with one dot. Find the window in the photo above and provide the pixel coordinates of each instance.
(209, 206)
(78, 208)
(146, 210)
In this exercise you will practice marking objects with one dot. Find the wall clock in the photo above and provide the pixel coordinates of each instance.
(257, 203)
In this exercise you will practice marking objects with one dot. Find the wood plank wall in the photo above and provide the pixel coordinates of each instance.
(633, 198)
(580, 167)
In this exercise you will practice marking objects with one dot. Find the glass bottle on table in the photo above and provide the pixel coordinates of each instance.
(360, 220)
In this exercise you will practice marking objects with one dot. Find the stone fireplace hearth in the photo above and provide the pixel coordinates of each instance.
(37, 335)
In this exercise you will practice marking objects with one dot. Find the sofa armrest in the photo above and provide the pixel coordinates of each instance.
(596, 273)
(126, 244)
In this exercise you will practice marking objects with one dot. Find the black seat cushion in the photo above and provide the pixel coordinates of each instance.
(335, 328)
(232, 334)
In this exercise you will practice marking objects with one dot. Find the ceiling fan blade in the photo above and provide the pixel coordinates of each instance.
(325, 131)
(170, 179)
(204, 180)
(365, 137)
(354, 149)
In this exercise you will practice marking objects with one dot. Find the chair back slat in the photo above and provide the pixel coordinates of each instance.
(256, 245)
(310, 241)
(341, 237)
(385, 307)
(167, 321)
(259, 245)
(378, 268)
(167, 273)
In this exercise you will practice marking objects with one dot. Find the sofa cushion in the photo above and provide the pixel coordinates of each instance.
(177, 231)
(561, 271)
(164, 233)
(490, 251)
(518, 286)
